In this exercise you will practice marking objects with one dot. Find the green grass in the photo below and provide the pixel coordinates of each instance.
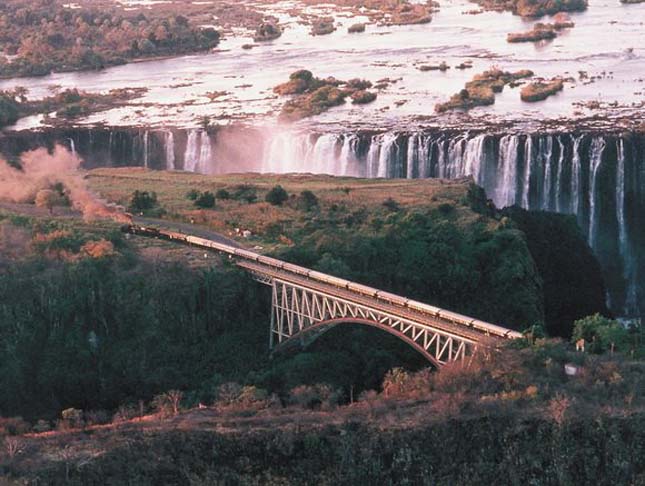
(335, 194)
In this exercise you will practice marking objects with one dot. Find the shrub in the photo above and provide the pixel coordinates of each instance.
(307, 200)
(13, 426)
(276, 196)
(58, 242)
(446, 208)
(97, 417)
(395, 381)
(125, 413)
(42, 426)
(391, 204)
(72, 418)
(193, 194)
(167, 404)
(602, 333)
(222, 194)
(363, 97)
(205, 200)
(313, 396)
(47, 198)
(98, 249)
(540, 91)
(142, 202)
(245, 192)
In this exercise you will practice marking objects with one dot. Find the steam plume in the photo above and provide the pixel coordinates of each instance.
(41, 170)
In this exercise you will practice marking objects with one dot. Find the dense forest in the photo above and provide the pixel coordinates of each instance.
(96, 329)
(42, 36)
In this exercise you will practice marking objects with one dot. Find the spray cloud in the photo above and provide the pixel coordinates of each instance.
(41, 170)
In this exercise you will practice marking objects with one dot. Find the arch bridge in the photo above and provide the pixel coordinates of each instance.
(305, 303)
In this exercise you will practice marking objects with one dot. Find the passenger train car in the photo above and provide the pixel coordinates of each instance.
(412, 305)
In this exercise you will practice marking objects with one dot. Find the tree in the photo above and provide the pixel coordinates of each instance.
(167, 404)
(307, 200)
(276, 196)
(205, 200)
(8, 109)
(603, 333)
(46, 198)
(142, 201)
(222, 194)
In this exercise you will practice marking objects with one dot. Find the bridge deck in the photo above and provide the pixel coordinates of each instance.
(355, 297)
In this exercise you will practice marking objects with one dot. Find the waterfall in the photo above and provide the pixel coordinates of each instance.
(597, 148)
(146, 137)
(298, 152)
(558, 181)
(205, 154)
(324, 155)
(455, 166)
(528, 162)
(506, 187)
(575, 176)
(424, 157)
(169, 143)
(348, 152)
(373, 157)
(475, 157)
(546, 153)
(192, 151)
(620, 194)
(72, 147)
(388, 148)
(631, 298)
(412, 156)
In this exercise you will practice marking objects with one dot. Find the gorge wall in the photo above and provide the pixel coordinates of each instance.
(598, 178)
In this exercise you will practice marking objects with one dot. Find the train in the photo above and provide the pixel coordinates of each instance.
(409, 304)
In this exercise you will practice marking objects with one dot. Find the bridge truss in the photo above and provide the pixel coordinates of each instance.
(299, 311)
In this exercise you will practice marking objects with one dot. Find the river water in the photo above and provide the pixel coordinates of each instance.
(607, 43)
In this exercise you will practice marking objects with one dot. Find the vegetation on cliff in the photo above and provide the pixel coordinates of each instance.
(512, 413)
(63, 105)
(534, 8)
(313, 96)
(44, 36)
(539, 91)
(97, 327)
(481, 90)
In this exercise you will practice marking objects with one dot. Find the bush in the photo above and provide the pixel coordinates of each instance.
(72, 418)
(205, 200)
(602, 333)
(193, 194)
(446, 208)
(313, 396)
(391, 204)
(245, 192)
(307, 200)
(222, 194)
(167, 404)
(9, 109)
(142, 202)
(13, 426)
(125, 413)
(97, 417)
(363, 97)
(276, 196)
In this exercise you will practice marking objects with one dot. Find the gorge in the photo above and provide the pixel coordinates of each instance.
(599, 178)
